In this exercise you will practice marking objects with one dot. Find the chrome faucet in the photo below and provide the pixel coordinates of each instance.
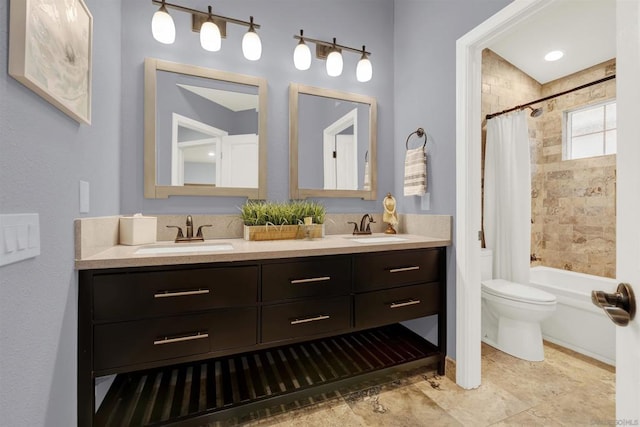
(180, 238)
(365, 225)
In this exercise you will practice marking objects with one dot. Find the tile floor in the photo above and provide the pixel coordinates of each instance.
(567, 389)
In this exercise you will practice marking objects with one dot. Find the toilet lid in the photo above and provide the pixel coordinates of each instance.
(516, 291)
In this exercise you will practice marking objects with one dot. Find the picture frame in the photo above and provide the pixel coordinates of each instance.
(50, 49)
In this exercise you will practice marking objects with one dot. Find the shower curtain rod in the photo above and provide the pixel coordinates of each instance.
(520, 107)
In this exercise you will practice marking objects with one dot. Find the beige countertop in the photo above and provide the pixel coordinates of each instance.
(243, 250)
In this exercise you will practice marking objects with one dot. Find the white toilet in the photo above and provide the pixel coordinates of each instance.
(512, 313)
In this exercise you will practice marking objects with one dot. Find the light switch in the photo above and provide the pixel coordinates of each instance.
(10, 238)
(20, 234)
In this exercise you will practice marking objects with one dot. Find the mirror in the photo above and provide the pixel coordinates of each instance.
(332, 143)
(205, 132)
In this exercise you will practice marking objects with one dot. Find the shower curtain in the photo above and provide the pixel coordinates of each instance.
(507, 196)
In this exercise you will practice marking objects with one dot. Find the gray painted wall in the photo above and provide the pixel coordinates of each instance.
(425, 34)
(280, 20)
(43, 153)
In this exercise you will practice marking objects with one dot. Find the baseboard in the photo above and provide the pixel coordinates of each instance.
(450, 368)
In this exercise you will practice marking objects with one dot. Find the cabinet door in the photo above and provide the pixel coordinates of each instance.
(322, 276)
(397, 304)
(128, 343)
(396, 268)
(305, 318)
(139, 295)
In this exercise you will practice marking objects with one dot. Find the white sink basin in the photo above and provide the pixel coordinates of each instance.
(182, 249)
(378, 239)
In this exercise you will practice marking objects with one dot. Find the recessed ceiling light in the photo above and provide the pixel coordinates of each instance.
(554, 55)
(211, 154)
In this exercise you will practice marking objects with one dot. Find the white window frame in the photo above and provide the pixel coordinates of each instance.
(567, 136)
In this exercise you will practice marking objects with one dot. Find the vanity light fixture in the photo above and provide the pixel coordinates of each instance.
(332, 53)
(206, 23)
(334, 60)
(210, 38)
(302, 54)
(364, 70)
(162, 26)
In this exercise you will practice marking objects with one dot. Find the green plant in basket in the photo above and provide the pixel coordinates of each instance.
(258, 212)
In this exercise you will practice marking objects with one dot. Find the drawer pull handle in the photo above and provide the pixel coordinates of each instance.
(310, 319)
(401, 269)
(167, 340)
(313, 279)
(169, 294)
(404, 304)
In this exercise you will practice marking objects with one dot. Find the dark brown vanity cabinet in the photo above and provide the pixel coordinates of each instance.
(148, 318)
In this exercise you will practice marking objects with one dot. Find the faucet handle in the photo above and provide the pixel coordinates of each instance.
(355, 226)
(180, 235)
(371, 220)
(199, 233)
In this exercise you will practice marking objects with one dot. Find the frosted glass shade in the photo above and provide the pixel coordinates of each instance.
(302, 56)
(210, 38)
(251, 46)
(364, 70)
(162, 27)
(334, 64)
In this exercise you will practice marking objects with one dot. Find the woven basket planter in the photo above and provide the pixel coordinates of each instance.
(283, 232)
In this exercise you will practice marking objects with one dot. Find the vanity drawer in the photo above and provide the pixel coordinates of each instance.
(138, 295)
(397, 268)
(322, 276)
(129, 343)
(305, 318)
(397, 304)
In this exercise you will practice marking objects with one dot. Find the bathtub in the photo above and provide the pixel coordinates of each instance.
(577, 324)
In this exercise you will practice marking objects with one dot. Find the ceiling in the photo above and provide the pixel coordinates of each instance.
(234, 101)
(583, 29)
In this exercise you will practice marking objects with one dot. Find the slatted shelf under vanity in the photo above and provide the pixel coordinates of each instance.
(232, 386)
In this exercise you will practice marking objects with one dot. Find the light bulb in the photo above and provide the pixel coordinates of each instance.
(251, 44)
(210, 38)
(162, 26)
(302, 56)
(364, 70)
(334, 63)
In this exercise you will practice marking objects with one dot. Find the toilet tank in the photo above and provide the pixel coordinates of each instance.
(486, 264)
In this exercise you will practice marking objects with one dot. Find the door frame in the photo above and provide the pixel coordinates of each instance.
(468, 125)
(468, 177)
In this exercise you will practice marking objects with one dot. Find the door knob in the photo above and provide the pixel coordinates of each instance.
(620, 306)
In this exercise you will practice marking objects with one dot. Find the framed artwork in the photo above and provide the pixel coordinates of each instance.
(50, 45)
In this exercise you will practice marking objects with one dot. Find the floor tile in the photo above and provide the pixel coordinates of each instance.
(398, 407)
(483, 406)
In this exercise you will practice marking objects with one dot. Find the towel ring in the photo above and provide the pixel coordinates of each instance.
(420, 133)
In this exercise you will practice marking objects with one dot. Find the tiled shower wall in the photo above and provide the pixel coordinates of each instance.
(573, 202)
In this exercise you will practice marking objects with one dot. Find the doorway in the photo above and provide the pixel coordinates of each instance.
(468, 295)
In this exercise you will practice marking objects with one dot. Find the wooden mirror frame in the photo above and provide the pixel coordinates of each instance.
(295, 89)
(151, 188)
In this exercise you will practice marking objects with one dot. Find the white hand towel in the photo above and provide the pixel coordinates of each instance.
(415, 172)
(367, 176)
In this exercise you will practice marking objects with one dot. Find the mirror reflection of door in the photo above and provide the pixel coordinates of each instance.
(238, 162)
(195, 150)
(340, 153)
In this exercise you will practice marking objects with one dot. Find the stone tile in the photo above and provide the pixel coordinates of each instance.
(337, 415)
(531, 382)
(586, 405)
(483, 406)
(403, 406)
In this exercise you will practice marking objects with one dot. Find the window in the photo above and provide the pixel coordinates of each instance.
(590, 131)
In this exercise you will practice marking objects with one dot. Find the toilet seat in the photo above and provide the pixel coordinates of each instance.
(517, 292)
